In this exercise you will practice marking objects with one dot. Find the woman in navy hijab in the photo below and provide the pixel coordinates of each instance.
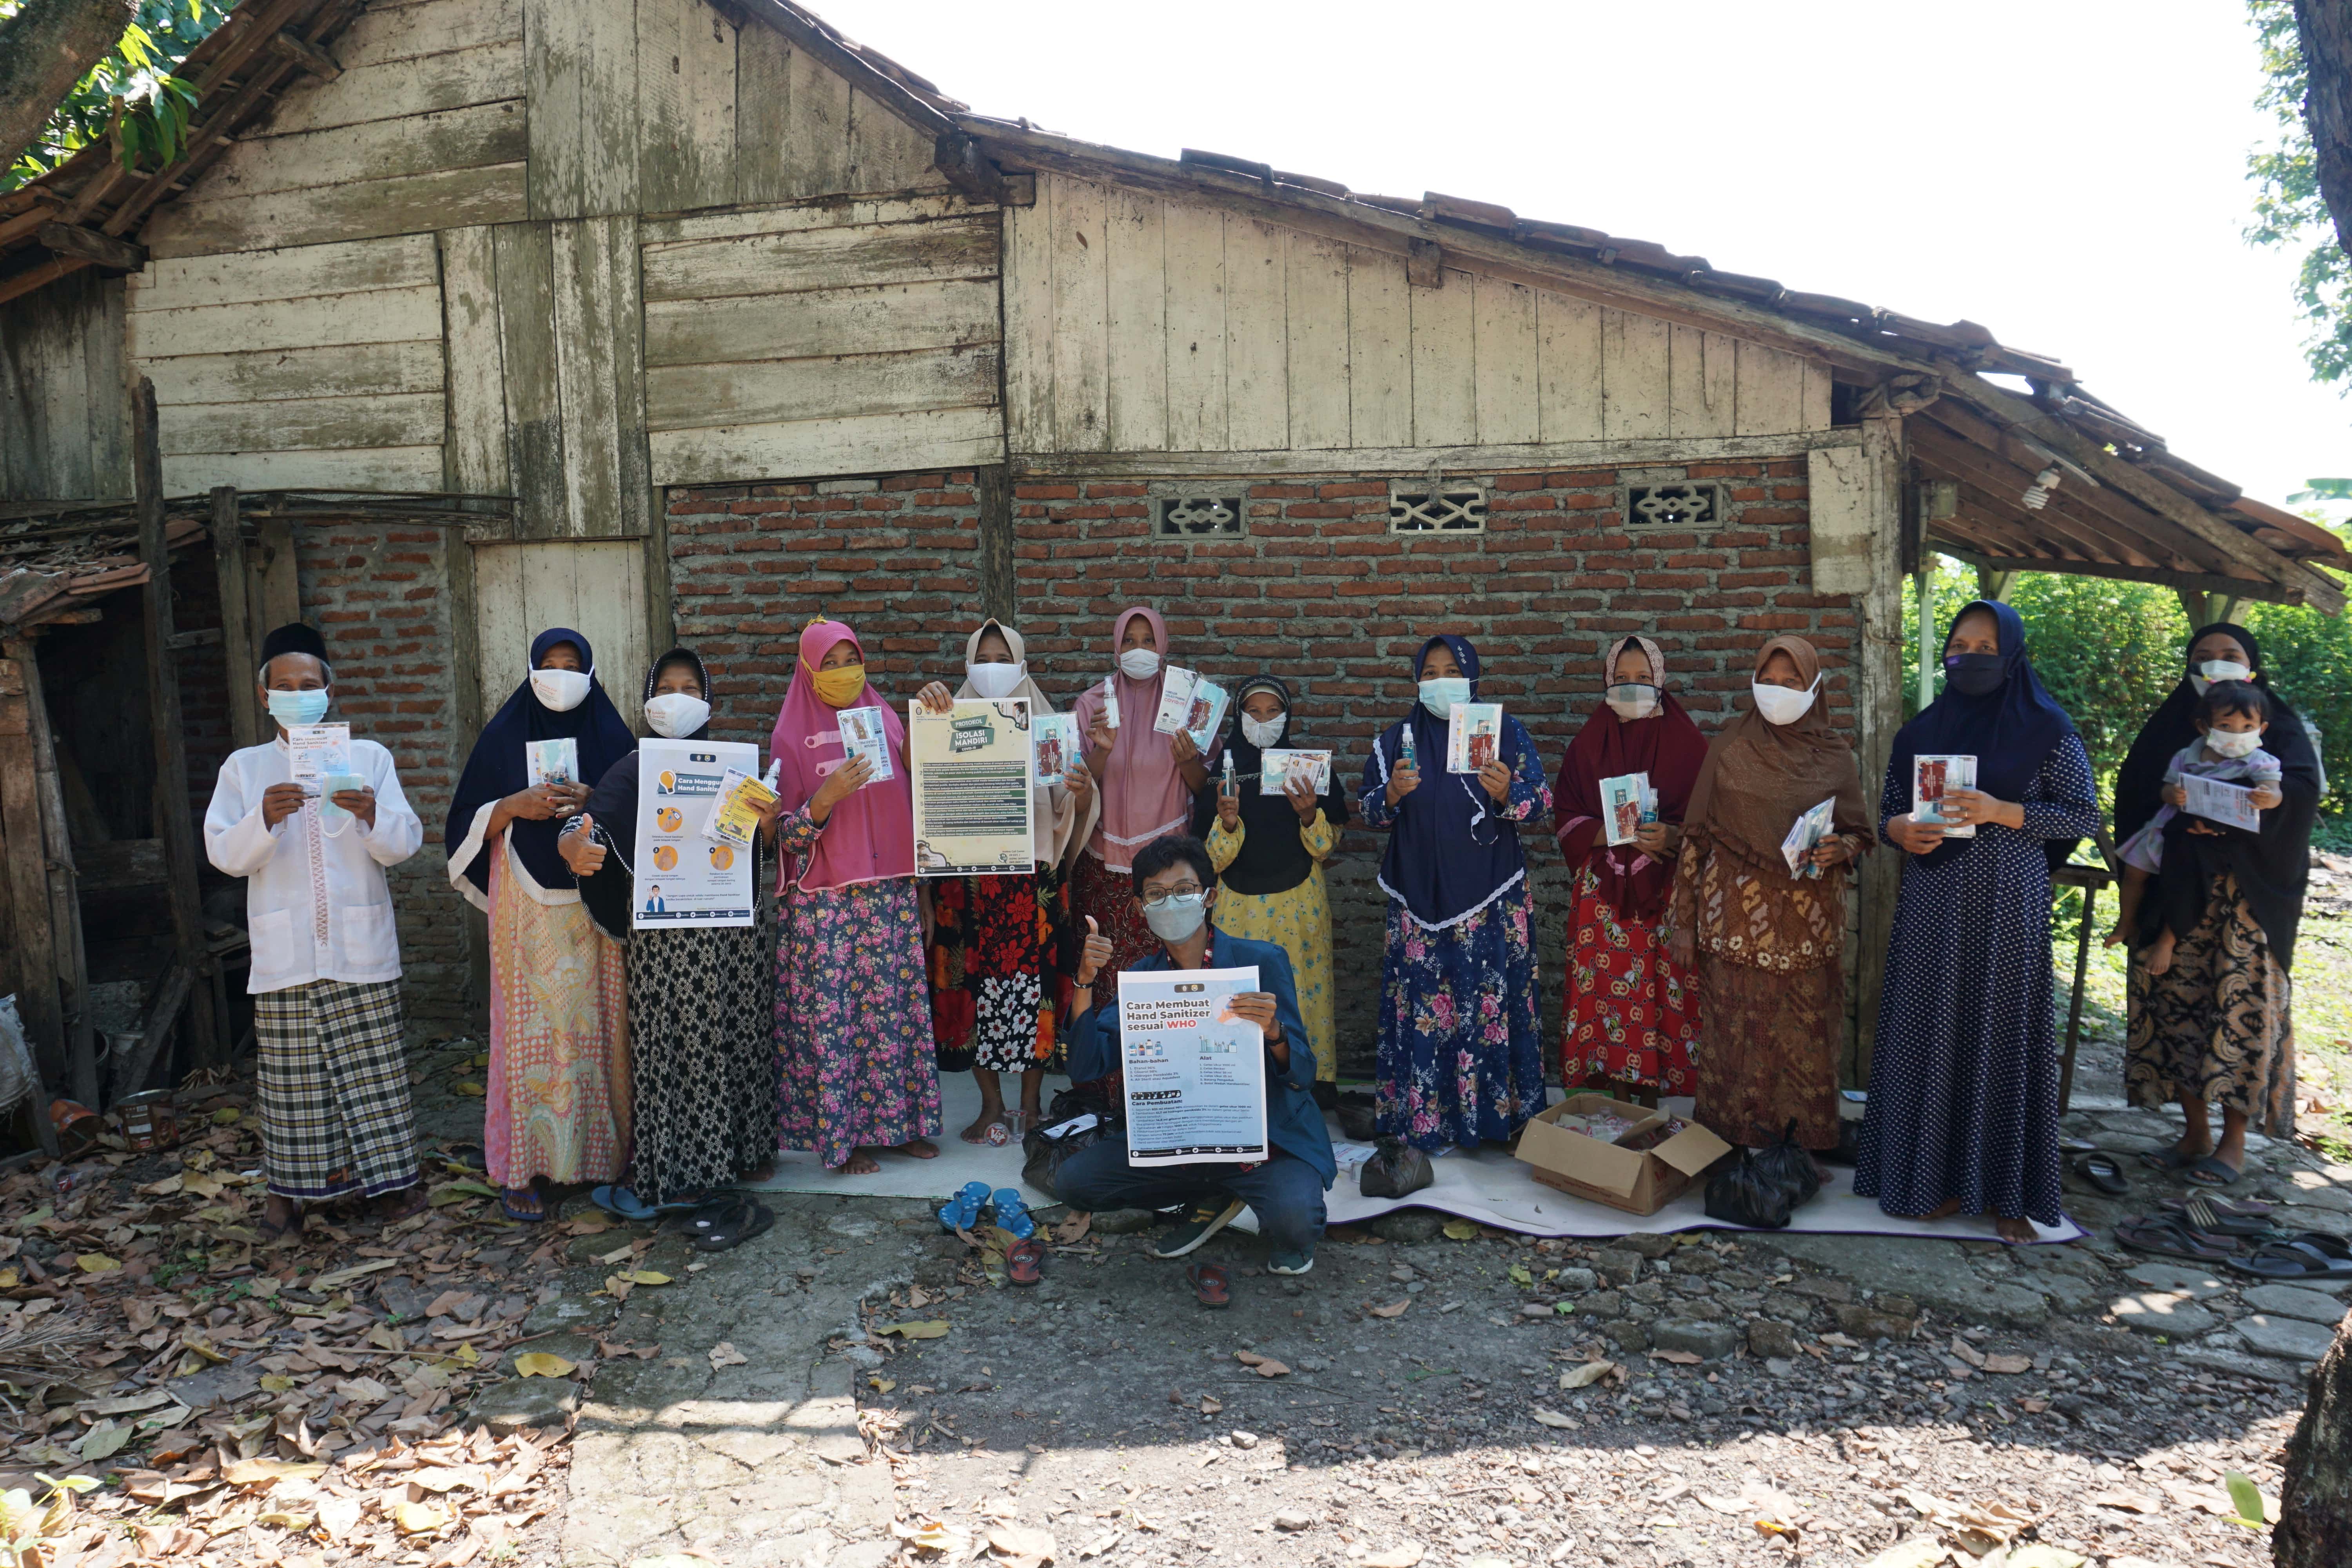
(556, 1106)
(1963, 1115)
(1460, 1058)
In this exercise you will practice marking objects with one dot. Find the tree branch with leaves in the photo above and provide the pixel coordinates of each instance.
(121, 89)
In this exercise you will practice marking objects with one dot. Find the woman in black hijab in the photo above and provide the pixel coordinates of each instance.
(2218, 1024)
(1268, 847)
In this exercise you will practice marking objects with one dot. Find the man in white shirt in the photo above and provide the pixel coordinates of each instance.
(332, 1077)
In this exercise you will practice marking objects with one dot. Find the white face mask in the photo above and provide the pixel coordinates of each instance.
(560, 690)
(1262, 732)
(1632, 700)
(1779, 705)
(2232, 743)
(675, 714)
(995, 680)
(2214, 669)
(1139, 663)
(1439, 693)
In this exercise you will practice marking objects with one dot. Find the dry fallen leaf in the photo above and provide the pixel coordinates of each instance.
(1912, 1552)
(1460, 1230)
(1551, 1418)
(419, 1518)
(1073, 1227)
(1584, 1376)
(724, 1353)
(1264, 1366)
(917, 1328)
(1014, 1541)
(1210, 1407)
(252, 1472)
(2131, 1503)
(541, 1363)
(1968, 1352)
(97, 1263)
(1679, 1358)
(1394, 1308)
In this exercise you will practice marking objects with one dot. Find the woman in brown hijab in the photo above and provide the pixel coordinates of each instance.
(1768, 939)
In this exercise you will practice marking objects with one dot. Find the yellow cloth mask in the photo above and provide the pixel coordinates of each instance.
(837, 687)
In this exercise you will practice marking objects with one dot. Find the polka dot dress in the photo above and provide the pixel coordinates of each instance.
(1964, 1070)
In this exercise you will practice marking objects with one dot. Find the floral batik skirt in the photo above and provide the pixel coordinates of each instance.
(854, 1021)
(1461, 1054)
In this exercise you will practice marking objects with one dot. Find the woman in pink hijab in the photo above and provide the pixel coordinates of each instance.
(853, 1007)
(1147, 783)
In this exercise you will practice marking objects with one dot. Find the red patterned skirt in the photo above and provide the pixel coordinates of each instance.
(1631, 1015)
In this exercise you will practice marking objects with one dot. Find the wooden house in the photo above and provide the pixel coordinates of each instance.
(753, 322)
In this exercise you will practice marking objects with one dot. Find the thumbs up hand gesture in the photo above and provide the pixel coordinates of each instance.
(579, 848)
(1096, 955)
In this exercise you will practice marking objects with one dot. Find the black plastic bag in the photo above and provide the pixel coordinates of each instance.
(1358, 1117)
(1744, 1192)
(1079, 1118)
(1394, 1170)
(1791, 1163)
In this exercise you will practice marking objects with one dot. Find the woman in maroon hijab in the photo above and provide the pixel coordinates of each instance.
(1632, 1014)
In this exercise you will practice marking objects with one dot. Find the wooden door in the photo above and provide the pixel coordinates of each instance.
(595, 586)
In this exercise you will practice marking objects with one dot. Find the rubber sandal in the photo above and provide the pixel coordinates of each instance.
(2203, 1214)
(2077, 1146)
(2168, 1160)
(747, 1220)
(2209, 1172)
(961, 1212)
(2170, 1238)
(2101, 1171)
(275, 1232)
(2233, 1208)
(2291, 1260)
(1012, 1214)
(721, 1211)
(1025, 1261)
(522, 1216)
(622, 1202)
(1212, 1287)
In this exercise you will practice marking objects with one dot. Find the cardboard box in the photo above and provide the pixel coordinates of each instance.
(1639, 1181)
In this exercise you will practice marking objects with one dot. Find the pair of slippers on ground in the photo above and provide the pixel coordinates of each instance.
(2238, 1237)
(716, 1221)
(2101, 1171)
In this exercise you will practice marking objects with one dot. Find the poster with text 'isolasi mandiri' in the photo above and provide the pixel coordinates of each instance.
(682, 877)
(969, 771)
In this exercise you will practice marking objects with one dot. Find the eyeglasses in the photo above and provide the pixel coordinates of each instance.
(1159, 895)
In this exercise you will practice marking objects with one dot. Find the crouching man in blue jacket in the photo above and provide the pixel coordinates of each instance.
(1176, 885)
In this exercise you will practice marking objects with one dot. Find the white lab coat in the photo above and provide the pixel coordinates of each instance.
(316, 906)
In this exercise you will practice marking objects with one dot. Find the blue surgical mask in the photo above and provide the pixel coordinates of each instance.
(1173, 920)
(292, 707)
(1440, 693)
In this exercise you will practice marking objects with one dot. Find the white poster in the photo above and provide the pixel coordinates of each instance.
(1195, 1079)
(2233, 805)
(971, 767)
(682, 877)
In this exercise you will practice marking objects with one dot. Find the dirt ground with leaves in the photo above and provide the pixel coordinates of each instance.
(855, 1389)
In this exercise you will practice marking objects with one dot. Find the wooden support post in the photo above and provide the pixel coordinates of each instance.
(66, 952)
(280, 598)
(1878, 713)
(173, 822)
(996, 590)
(27, 885)
(1920, 581)
(239, 645)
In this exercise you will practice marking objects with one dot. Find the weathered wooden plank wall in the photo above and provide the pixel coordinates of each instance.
(64, 426)
(830, 339)
(1136, 323)
(317, 364)
(664, 106)
(425, 130)
(597, 587)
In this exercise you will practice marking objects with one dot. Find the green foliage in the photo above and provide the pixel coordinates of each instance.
(2288, 208)
(2111, 651)
(131, 93)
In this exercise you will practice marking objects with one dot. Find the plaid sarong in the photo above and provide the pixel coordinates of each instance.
(333, 1082)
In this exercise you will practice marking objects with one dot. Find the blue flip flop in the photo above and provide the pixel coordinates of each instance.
(961, 1212)
(1012, 1214)
(623, 1204)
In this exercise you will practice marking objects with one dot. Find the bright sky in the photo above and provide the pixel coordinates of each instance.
(2069, 173)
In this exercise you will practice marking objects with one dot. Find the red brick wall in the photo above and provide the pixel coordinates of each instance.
(380, 597)
(896, 558)
(1319, 592)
